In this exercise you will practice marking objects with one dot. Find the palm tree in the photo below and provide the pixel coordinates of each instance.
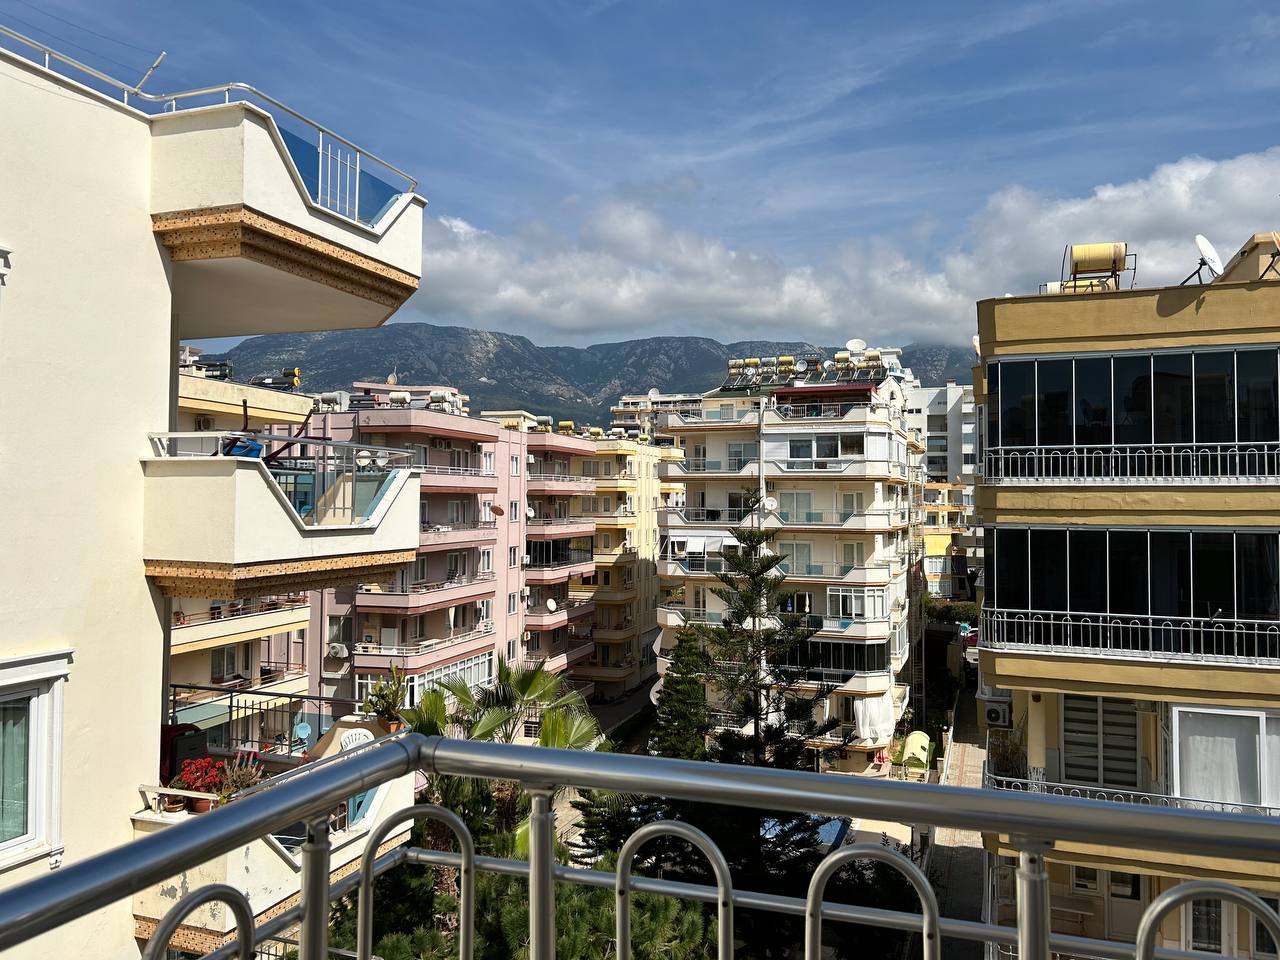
(517, 696)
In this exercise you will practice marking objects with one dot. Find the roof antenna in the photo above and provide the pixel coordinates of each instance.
(150, 70)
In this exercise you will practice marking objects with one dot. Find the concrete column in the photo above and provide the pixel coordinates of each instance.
(1035, 737)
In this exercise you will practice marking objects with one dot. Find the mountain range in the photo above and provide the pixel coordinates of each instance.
(503, 371)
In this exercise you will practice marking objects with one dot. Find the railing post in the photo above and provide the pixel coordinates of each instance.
(1033, 902)
(313, 942)
(542, 890)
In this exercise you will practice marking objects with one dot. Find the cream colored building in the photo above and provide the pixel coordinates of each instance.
(130, 227)
(830, 464)
(1131, 624)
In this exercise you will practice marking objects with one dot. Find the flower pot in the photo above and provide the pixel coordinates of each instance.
(170, 804)
(394, 726)
(199, 804)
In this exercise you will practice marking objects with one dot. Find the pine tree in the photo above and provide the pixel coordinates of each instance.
(683, 723)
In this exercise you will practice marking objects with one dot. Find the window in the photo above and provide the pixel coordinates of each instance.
(1017, 404)
(1215, 396)
(513, 556)
(340, 630)
(1085, 880)
(486, 560)
(484, 609)
(1132, 405)
(1227, 758)
(1099, 741)
(30, 744)
(486, 511)
(1053, 403)
(486, 461)
(515, 466)
(513, 603)
(800, 448)
(514, 513)
(534, 642)
(1256, 397)
(1172, 390)
(1263, 944)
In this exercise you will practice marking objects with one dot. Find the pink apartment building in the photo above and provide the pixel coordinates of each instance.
(498, 548)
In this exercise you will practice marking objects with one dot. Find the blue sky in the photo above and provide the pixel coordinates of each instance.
(603, 170)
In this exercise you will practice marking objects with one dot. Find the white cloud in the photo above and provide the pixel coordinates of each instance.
(632, 273)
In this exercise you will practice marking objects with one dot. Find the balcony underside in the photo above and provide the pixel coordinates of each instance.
(193, 578)
(237, 271)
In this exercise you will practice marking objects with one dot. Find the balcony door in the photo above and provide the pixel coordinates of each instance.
(1100, 741)
(850, 505)
(795, 504)
(798, 554)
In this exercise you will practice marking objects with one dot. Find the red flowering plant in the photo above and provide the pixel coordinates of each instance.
(203, 775)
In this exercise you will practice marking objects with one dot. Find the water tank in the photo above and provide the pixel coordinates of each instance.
(1097, 258)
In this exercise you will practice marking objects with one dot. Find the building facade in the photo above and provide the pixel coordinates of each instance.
(134, 225)
(1129, 498)
(825, 452)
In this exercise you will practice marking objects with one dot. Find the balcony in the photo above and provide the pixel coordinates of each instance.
(859, 468)
(671, 615)
(227, 514)
(559, 662)
(616, 633)
(870, 574)
(702, 466)
(559, 528)
(214, 624)
(622, 480)
(1162, 639)
(855, 627)
(276, 719)
(622, 553)
(824, 415)
(621, 517)
(559, 568)
(594, 670)
(862, 521)
(539, 617)
(681, 516)
(1135, 464)
(699, 421)
(417, 653)
(423, 596)
(559, 481)
(197, 848)
(444, 479)
(467, 533)
(429, 423)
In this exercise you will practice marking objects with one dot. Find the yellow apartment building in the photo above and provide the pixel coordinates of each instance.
(1130, 496)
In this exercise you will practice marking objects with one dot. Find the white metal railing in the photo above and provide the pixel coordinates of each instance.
(819, 411)
(837, 518)
(693, 614)
(324, 481)
(836, 464)
(1139, 463)
(832, 570)
(416, 646)
(448, 471)
(1130, 636)
(711, 514)
(1032, 822)
(425, 586)
(231, 609)
(996, 781)
(563, 521)
(461, 526)
(726, 465)
(339, 176)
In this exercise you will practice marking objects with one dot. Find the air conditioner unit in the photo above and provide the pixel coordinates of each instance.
(439, 443)
(338, 651)
(204, 423)
(524, 591)
(999, 715)
(525, 560)
(530, 458)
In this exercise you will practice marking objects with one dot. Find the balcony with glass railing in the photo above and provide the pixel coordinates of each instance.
(456, 478)
(225, 512)
(418, 652)
(1029, 824)
(875, 520)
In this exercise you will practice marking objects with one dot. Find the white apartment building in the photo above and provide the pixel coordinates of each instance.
(945, 419)
(825, 447)
(132, 223)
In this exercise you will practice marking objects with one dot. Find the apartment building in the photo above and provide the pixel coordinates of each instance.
(132, 224)
(822, 445)
(640, 414)
(1131, 621)
(951, 562)
(945, 418)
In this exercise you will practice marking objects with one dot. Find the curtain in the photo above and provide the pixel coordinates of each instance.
(1271, 788)
(874, 716)
(15, 752)
(1218, 757)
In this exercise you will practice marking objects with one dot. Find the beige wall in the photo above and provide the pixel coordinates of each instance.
(87, 303)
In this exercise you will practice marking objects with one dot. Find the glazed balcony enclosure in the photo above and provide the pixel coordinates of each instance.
(228, 515)
(1030, 825)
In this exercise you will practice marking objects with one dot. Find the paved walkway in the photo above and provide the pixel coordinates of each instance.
(957, 855)
(611, 715)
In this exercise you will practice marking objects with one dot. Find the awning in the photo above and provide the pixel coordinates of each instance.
(696, 545)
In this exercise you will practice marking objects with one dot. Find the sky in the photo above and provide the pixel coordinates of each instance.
(611, 169)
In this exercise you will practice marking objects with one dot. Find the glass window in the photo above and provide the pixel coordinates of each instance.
(1093, 400)
(1171, 375)
(1256, 395)
(1215, 397)
(1213, 575)
(1127, 562)
(1017, 404)
(1132, 404)
(1257, 586)
(1048, 569)
(1084, 879)
(992, 438)
(1218, 756)
(1205, 925)
(851, 444)
(1053, 403)
(1170, 573)
(15, 766)
(1263, 944)
(800, 449)
(1011, 568)
(826, 447)
(1088, 571)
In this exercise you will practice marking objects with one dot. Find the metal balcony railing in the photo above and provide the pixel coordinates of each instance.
(712, 514)
(727, 465)
(694, 614)
(413, 646)
(841, 517)
(426, 586)
(822, 411)
(439, 469)
(1135, 636)
(1257, 462)
(339, 176)
(261, 721)
(1033, 823)
(231, 609)
(568, 559)
(325, 482)
(448, 526)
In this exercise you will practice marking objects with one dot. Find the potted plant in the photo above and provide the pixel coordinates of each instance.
(203, 775)
(386, 697)
(170, 803)
(240, 774)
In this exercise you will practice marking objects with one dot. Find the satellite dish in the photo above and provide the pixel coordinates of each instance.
(802, 365)
(855, 345)
(530, 512)
(383, 458)
(771, 503)
(551, 604)
(496, 510)
(363, 458)
(654, 393)
(976, 348)
(1209, 255)
(828, 364)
